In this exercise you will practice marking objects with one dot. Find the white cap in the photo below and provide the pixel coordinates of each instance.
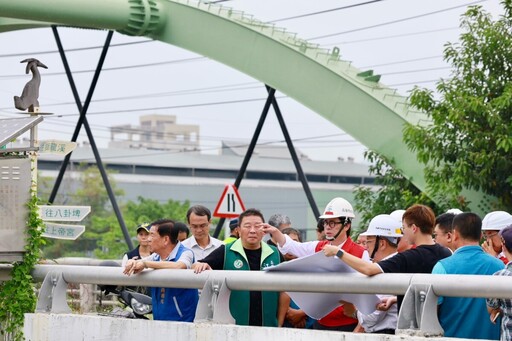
(496, 220)
(384, 225)
(338, 207)
(397, 214)
(454, 211)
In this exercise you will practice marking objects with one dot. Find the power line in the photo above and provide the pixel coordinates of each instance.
(73, 50)
(393, 36)
(394, 21)
(324, 11)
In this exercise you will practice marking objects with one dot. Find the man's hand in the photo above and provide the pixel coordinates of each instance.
(386, 303)
(133, 267)
(296, 317)
(200, 267)
(349, 309)
(488, 247)
(330, 250)
(266, 228)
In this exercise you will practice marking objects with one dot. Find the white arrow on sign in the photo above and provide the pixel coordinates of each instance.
(230, 204)
(61, 231)
(63, 213)
(56, 147)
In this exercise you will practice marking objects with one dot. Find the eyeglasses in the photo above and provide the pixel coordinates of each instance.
(331, 223)
(197, 227)
(490, 235)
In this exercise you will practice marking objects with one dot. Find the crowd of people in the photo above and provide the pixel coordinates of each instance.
(405, 241)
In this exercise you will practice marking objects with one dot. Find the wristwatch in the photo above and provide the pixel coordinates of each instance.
(339, 254)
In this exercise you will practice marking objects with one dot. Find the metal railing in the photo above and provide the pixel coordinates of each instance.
(421, 290)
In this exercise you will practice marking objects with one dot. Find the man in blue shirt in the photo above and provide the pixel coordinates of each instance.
(466, 317)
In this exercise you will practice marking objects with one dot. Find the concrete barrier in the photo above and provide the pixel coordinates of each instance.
(65, 327)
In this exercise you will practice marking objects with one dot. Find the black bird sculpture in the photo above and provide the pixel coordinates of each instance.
(28, 99)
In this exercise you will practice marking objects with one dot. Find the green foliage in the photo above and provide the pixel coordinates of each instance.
(396, 192)
(111, 243)
(17, 295)
(467, 144)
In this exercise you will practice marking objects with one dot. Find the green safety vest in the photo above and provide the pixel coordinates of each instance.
(235, 259)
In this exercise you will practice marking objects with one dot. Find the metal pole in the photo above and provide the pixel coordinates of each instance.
(83, 121)
(249, 152)
(296, 162)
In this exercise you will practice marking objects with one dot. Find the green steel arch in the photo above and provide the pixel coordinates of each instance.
(350, 98)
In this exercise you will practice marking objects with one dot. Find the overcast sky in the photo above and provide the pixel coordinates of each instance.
(400, 39)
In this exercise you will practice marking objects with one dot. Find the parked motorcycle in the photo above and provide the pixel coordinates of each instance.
(136, 304)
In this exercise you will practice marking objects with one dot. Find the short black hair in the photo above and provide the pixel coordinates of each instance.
(250, 212)
(199, 210)
(469, 226)
(182, 227)
(291, 230)
(166, 227)
(445, 222)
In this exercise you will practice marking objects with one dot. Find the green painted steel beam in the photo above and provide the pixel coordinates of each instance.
(352, 99)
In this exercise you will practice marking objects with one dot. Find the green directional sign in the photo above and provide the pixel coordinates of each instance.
(63, 231)
(63, 213)
(56, 147)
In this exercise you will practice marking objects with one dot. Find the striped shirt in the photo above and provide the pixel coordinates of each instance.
(505, 304)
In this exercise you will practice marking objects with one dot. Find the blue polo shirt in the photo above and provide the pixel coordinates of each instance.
(466, 317)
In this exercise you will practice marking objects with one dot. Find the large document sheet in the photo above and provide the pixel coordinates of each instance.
(317, 305)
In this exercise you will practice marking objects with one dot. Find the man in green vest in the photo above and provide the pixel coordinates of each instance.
(248, 308)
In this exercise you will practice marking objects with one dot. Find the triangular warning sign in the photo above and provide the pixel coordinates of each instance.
(230, 204)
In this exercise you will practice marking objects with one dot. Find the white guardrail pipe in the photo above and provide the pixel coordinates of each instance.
(397, 284)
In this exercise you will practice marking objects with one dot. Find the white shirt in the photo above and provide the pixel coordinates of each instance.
(200, 252)
(379, 320)
(308, 248)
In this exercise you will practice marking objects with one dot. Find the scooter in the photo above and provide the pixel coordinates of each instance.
(137, 305)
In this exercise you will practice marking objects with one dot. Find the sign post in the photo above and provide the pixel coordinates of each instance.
(63, 213)
(230, 204)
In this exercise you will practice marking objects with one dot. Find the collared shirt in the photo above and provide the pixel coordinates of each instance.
(467, 317)
(506, 306)
(187, 257)
(200, 252)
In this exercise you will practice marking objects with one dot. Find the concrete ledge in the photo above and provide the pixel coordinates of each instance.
(65, 327)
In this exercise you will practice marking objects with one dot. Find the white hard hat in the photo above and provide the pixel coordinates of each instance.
(397, 214)
(454, 211)
(496, 220)
(338, 207)
(384, 225)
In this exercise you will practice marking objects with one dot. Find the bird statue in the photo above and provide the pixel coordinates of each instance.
(28, 99)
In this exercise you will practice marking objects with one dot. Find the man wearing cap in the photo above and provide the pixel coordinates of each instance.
(466, 317)
(503, 306)
(338, 215)
(234, 231)
(382, 239)
(201, 243)
(142, 250)
(417, 227)
(492, 224)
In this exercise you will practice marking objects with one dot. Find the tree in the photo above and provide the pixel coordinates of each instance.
(467, 142)
(396, 192)
(111, 244)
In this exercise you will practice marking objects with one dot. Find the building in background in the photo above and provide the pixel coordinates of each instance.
(270, 184)
(156, 132)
